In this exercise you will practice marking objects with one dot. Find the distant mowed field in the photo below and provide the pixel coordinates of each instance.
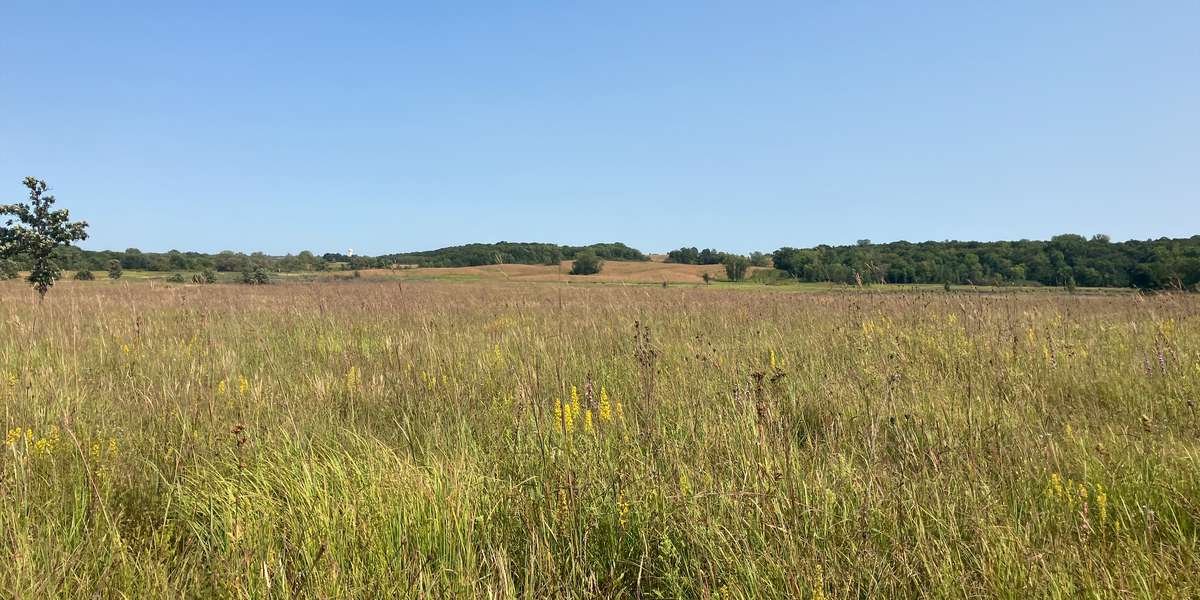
(355, 438)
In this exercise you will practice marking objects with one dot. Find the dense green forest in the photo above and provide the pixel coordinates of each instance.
(1064, 260)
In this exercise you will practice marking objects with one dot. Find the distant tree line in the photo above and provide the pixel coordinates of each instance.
(76, 259)
(1066, 260)
(708, 256)
(473, 255)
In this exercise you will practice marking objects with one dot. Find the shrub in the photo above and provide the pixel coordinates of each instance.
(736, 267)
(205, 276)
(176, 278)
(9, 269)
(84, 275)
(586, 263)
(258, 276)
(114, 269)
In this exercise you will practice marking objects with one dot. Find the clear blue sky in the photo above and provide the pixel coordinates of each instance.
(736, 125)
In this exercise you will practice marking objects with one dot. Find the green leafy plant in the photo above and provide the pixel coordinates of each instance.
(9, 269)
(736, 267)
(35, 230)
(586, 263)
(257, 276)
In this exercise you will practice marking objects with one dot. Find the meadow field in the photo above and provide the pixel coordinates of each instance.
(364, 438)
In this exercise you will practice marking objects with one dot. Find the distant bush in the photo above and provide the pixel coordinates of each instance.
(114, 269)
(9, 269)
(258, 276)
(205, 276)
(586, 263)
(736, 267)
(176, 278)
(758, 259)
(84, 275)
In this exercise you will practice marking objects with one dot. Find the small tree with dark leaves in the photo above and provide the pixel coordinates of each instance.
(259, 276)
(586, 263)
(35, 230)
(114, 269)
(736, 267)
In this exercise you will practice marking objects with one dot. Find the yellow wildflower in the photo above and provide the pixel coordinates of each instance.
(1056, 486)
(564, 416)
(14, 436)
(587, 421)
(622, 509)
(243, 385)
(1102, 503)
(605, 406)
(774, 362)
(818, 583)
(352, 377)
(221, 388)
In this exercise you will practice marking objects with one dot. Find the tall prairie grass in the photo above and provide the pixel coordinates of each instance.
(359, 439)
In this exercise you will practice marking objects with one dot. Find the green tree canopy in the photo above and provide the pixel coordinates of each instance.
(36, 230)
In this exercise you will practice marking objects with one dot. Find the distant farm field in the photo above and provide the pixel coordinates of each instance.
(352, 437)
